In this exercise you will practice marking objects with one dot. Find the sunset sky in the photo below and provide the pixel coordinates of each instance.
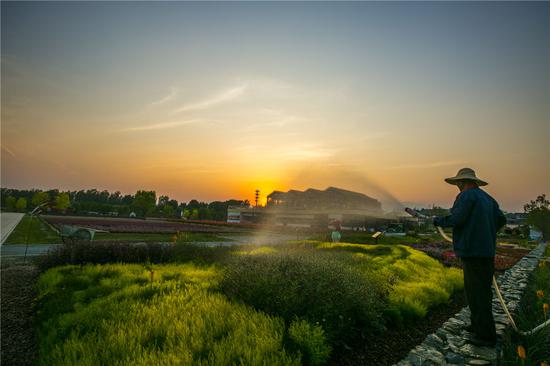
(213, 100)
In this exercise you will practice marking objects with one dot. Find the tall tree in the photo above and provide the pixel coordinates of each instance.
(62, 201)
(144, 202)
(39, 198)
(10, 203)
(21, 204)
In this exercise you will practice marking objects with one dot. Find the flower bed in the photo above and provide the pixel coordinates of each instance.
(120, 225)
(506, 257)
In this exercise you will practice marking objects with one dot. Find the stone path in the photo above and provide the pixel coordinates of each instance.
(449, 345)
(8, 222)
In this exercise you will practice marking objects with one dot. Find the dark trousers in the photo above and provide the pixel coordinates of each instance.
(478, 277)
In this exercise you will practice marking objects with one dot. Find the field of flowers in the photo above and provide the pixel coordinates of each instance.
(289, 304)
(125, 225)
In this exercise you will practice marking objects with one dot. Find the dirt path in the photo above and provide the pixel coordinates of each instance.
(17, 279)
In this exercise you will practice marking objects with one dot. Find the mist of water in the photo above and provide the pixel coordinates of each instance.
(336, 175)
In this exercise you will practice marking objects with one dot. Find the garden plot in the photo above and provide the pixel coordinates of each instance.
(293, 304)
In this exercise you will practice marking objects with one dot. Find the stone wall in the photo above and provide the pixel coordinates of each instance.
(449, 345)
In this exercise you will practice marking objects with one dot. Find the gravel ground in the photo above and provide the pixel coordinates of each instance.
(18, 346)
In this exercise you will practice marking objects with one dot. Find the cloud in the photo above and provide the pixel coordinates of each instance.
(167, 98)
(304, 152)
(162, 126)
(10, 152)
(224, 96)
(436, 164)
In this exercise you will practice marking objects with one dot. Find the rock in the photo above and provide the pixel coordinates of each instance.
(454, 358)
(484, 353)
(479, 362)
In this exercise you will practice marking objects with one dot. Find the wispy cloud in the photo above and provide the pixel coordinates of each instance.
(287, 152)
(224, 96)
(436, 164)
(7, 150)
(304, 152)
(167, 98)
(162, 126)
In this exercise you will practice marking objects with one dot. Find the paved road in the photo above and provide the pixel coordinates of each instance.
(8, 222)
(19, 249)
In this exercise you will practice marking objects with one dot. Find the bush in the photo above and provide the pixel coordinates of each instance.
(104, 252)
(309, 340)
(115, 314)
(317, 287)
(417, 282)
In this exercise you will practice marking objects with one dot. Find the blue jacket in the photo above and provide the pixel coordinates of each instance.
(475, 219)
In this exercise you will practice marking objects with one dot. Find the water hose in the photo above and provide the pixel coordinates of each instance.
(495, 284)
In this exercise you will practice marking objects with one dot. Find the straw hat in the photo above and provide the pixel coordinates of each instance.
(465, 174)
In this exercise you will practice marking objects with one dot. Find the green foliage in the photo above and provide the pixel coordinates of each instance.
(144, 202)
(21, 204)
(538, 215)
(10, 203)
(36, 231)
(318, 296)
(314, 286)
(310, 341)
(113, 314)
(531, 314)
(417, 282)
(39, 198)
(62, 201)
(105, 252)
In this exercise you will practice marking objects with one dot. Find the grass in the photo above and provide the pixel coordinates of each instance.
(280, 304)
(158, 237)
(37, 233)
(123, 315)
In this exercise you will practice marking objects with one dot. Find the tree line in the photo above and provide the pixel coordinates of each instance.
(104, 203)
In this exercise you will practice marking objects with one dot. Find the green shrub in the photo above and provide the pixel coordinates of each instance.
(315, 286)
(104, 252)
(309, 340)
(115, 315)
(185, 252)
(417, 282)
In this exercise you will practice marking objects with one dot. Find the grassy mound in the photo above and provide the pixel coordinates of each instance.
(115, 315)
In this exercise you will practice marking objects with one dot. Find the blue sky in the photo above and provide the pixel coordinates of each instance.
(211, 100)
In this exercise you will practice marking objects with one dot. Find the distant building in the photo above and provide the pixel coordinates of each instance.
(330, 199)
(312, 208)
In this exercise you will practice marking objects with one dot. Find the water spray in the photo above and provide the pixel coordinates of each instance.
(495, 284)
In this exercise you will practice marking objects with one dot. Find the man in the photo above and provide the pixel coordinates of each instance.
(475, 218)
